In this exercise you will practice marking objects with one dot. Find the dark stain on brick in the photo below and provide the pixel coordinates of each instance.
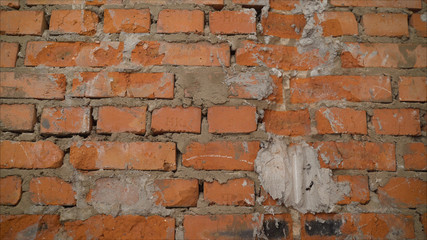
(45, 124)
(326, 228)
(275, 229)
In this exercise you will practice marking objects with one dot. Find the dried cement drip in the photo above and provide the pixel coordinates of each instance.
(292, 175)
(257, 85)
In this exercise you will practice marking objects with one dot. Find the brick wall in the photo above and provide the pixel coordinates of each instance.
(142, 119)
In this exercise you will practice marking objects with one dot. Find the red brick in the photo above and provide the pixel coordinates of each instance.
(121, 227)
(403, 192)
(419, 25)
(338, 24)
(251, 3)
(288, 123)
(341, 88)
(117, 84)
(176, 21)
(356, 226)
(357, 155)
(278, 226)
(385, 24)
(70, 54)
(413, 89)
(359, 186)
(178, 119)
(44, 191)
(148, 53)
(73, 2)
(386, 55)
(133, 155)
(223, 119)
(397, 121)
(22, 22)
(247, 85)
(233, 192)
(286, 5)
(232, 22)
(73, 21)
(69, 120)
(378, 3)
(10, 190)
(127, 20)
(341, 120)
(10, 3)
(177, 192)
(214, 3)
(415, 156)
(112, 192)
(121, 119)
(267, 200)
(221, 155)
(42, 154)
(283, 26)
(8, 54)
(33, 226)
(277, 56)
(17, 117)
(32, 85)
(277, 95)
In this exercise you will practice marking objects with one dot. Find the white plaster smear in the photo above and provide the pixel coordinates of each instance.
(292, 175)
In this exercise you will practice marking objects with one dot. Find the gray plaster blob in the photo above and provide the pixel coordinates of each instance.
(293, 176)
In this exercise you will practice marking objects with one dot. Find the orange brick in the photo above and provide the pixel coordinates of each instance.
(341, 88)
(22, 22)
(386, 55)
(221, 155)
(176, 21)
(338, 24)
(148, 53)
(385, 24)
(8, 54)
(247, 85)
(177, 192)
(357, 155)
(69, 120)
(232, 22)
(397, 121)
(121, 119)
(288, 123)
(277, 56)
(278, 226)
(419, 25)
(69, 54)
(214, 3)
(358, 225)
(32, 85)
(10, 3)
(359, 189)
(403, 192)
(17, 117)
(44, 191)
(73, 2)
(251, 3)
(378, 3)
(341, 120)
(15, 226)
(73, 21)
(413, 89)
(267, 200)
(117, 84)
(286, 5)
(42, 154)
(416, 156)
(223, 119)
(283, 26)
(233, 192)
(127, 20)
(133, 155)
(178, 119)
(10, 190)
(121, 227)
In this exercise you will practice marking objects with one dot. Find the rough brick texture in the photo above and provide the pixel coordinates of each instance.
(127, 20)
(176, 21)
(17, 117)
(232, 119)
(176, 120)
(288, 123)
(51, 191)
(416, 156)
(403, 192)
(233, 192)
(22, 22)
(121, 119)
(10, 190)
(413, 89)
(177, 192)
(341, 120)
(72, 120)
(8, 54)
(385, 24)
(396, 121)
(232, 22)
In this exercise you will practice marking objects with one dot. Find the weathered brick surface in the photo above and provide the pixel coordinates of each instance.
(177, 192)
(232, 22)
(232, 119)
(42, 154)
(359, 188)
(396, 121)
(176, 21)
(127, 20)
(419, 25)
(385, 24)
(413, 89)
(17, 117)
(73, 21)
(177, 119)
(70, 120)
(403, 192)
(274, 25)
(52, 191)
(339, 23)
(22, 22)
(8, 54)
(233, 192)
(416, 156)
(10, 190)
(287, 123)
(121, 119)
(341, 120)
(15, 226)
(133, 155)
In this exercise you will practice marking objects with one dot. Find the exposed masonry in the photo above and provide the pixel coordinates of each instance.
(289, 187)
